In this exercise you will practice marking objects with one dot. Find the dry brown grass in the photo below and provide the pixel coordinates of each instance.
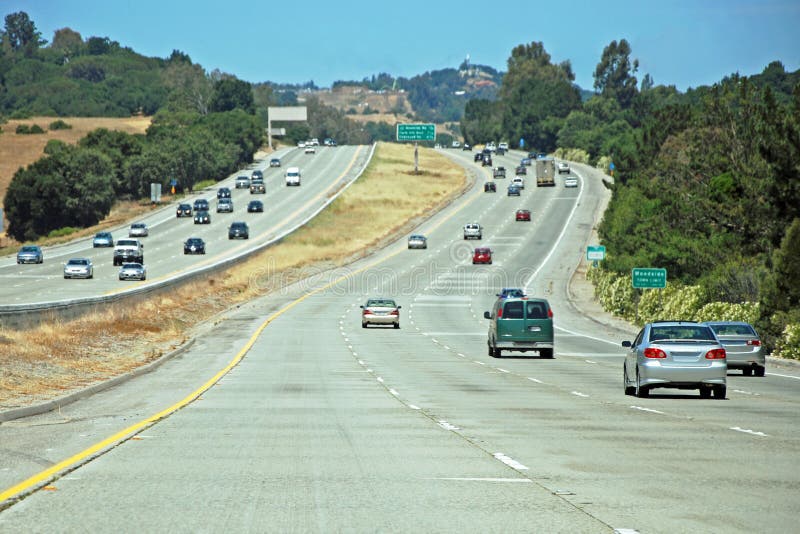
(57, 356)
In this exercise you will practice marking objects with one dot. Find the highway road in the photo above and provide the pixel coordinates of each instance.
(320, 425)
(324, 173)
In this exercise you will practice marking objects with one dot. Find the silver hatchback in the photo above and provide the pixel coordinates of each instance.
(675, 354)
(742, 346)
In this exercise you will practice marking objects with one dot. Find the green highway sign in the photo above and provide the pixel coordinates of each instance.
(416, 132)
(595, 253)
(645, 278)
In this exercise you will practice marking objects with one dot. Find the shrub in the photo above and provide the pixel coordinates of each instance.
(602, 163)
(60, 125)
(577, 155)
(67, 230)
(788, 345)
(24, 129)
(202, 184)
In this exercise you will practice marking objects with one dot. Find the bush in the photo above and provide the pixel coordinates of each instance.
(788, 345)
(602, 163)
(24, 129)
(577, 155)
(202, 184)
(60, 125)
(67, 230)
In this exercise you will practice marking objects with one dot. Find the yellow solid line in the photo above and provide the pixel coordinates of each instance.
(74, 461)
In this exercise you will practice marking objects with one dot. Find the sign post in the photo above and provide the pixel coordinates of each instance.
(595, 253)
(416, 133)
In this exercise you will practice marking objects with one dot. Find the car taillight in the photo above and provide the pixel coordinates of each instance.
(651, 352)
(366, 312)
(550, 313)
(394, 312)
(499, 313)
(754, 342)
(715, 354)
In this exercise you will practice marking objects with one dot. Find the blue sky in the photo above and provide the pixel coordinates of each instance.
(684, 43)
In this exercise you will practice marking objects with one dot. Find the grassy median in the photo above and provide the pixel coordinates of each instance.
(59, 356)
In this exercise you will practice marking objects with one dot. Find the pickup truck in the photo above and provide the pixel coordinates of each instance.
(128, 251)
(499, 172)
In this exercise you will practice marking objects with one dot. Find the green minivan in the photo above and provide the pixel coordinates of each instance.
(520, 324)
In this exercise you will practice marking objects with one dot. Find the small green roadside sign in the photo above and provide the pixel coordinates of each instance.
(416, 132)
(595, 253)
(647, 278)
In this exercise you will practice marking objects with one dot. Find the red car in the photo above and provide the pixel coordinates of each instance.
(523, 215)
(482, 255)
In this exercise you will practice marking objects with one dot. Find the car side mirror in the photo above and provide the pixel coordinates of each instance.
(487, 315)
(362, 307)
(627, 344)
(399, 307)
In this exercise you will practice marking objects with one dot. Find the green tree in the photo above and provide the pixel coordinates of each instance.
(534, 89)
(230, 94)
(68, 42)
(780, 300)
(71, 186)
(614, 76)
(21, 33)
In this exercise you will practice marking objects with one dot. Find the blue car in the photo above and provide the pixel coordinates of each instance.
(30, 254)
(103, 239)
(514, 191)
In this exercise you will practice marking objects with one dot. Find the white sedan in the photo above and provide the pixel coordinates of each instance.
(570, 181)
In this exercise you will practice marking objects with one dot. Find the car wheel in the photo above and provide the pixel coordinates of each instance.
(641, 391)
(720, 392)
(629, 390)
(546, 353)
(705, 392)
(497, 353)
(396, 326)
(363, 325)
(747, 371)
(759, 371)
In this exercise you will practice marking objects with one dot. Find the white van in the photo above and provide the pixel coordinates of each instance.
(293, 176)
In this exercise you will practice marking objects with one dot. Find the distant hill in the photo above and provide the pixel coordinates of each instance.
(435, 96)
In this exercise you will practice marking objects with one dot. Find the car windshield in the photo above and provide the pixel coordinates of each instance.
(130, 266)
(380, 304)
(29, 249)
(733, 329)
(681, 333)
(79, 262)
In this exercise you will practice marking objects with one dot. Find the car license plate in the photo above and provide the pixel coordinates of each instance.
(534, 328)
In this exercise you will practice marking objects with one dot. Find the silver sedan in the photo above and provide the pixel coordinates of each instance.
(675, 354)
(133, 271)
(380, 311)
(138, 230)
(79, 268)
(742, 346)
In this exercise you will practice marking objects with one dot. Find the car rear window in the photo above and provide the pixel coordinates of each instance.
(733, 329)
(381, 304)
(513, 310)
(681, 332)
(537, 310)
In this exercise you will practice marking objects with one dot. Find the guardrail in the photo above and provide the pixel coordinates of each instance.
(21, 315)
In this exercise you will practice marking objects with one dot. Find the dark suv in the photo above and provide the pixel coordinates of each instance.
(223, 192)
(238, 230)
